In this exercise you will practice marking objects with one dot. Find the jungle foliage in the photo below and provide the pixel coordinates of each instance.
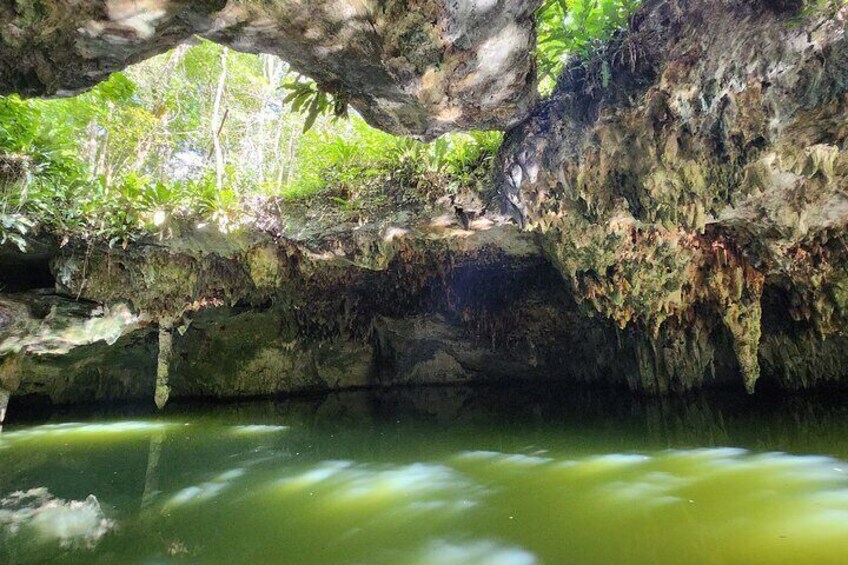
(201, 133)
(569, 28)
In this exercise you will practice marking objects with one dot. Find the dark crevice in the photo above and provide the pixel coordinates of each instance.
(20, 272)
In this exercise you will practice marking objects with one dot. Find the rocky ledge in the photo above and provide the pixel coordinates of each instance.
(201, 314)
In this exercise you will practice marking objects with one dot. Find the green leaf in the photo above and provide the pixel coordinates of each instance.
(312, 113)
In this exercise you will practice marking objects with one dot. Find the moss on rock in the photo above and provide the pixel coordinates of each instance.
(708, 170)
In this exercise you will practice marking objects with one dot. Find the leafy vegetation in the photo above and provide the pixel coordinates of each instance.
(830, 7)
(358, 156)
(575, 27)
(569, 28)
(203, 133)
(309, 98)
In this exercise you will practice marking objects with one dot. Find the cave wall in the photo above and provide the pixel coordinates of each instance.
(263, 318)
(259, 318)
(688, 181)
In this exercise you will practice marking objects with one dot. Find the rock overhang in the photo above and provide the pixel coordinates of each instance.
(410, 67)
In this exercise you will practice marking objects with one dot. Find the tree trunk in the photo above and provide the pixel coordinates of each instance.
(218, 122)
(292, 148)
(159, 107)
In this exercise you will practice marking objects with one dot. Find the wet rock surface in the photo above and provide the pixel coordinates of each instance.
(268, 318)
(417, 67)
(438, 305)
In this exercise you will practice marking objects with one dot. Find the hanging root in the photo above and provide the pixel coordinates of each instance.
(163, 362)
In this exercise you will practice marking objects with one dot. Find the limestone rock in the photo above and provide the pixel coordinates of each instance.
(417, 67)
(700, 184)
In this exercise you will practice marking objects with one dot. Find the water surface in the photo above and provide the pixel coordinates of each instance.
(441, 476)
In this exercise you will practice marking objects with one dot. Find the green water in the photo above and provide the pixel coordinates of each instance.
(432, 476)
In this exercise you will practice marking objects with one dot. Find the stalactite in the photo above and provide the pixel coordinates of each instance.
(745, 325)
(4, 404)
(743, 313)
(163, 391)
(10, 380)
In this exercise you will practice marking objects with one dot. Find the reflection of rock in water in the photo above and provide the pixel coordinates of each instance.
(38, 515)
(151, 476)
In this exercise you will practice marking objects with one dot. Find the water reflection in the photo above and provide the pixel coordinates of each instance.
(81, 432)
(35, 518)
(257, 429)
(434, 478)
(481, 552)
(711, 505)
(399, 493)
(205, 491)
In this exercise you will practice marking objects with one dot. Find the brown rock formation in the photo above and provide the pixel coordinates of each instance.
(693, 174)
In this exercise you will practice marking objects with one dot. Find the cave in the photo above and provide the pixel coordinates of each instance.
(423, 281)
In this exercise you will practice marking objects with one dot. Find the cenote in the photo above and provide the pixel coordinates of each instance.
(437, 475)
(497, 282)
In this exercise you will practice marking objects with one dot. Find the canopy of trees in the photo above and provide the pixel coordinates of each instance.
(201, 130)
(194, 132)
